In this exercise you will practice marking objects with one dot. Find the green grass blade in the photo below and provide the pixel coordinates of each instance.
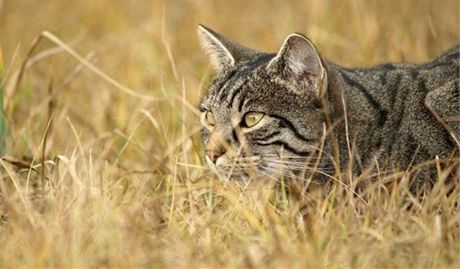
(3, 125)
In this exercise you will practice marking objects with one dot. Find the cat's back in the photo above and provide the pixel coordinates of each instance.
(385, 83)
(411, 107)
(445, 66)
(450, 56)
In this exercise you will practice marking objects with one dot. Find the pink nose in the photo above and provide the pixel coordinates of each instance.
(214, 154)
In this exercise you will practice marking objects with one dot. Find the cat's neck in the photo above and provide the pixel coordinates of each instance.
(349, 94)
(356, 107)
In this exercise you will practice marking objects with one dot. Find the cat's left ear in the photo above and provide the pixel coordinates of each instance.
(223, 53)
(299, 65)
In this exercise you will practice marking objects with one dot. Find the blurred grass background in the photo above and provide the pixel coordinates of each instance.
(118, 180)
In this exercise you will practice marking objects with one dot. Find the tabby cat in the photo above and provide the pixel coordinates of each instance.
(293, 113)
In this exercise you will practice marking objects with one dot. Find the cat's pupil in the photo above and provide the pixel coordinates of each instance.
(317, 104)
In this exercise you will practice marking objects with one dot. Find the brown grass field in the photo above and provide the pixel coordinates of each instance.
(104, 164)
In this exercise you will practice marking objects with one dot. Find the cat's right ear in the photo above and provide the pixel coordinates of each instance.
(223, 53)
(299, 64)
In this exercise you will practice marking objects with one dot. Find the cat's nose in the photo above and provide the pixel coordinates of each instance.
(214, 154)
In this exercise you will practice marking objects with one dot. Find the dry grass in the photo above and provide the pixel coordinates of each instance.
(118, 180)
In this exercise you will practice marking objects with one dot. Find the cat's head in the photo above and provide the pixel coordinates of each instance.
(261, 115)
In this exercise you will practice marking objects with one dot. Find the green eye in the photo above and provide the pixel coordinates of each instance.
(209, 117)
(252, 118)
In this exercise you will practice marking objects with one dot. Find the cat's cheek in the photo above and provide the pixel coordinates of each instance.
(211, 165)
(217, 168)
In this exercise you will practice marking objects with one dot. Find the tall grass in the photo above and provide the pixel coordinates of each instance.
(98, 176)
(3, 126)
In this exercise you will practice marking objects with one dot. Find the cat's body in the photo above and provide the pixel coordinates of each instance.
(282, 113)
(395, 111)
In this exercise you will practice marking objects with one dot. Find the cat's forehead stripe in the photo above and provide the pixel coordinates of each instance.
(223, 85)
(233, 84)
(243, 76)
(243, 102)
(228, 88)
(236, 93)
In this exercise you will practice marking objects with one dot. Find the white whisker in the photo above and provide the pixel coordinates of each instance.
(297, 165)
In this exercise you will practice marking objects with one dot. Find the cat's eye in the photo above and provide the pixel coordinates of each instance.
(252, 118)
(209, 117)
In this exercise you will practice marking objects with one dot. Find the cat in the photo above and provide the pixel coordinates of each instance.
(293, 113)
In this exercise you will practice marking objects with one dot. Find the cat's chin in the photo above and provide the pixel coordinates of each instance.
(238, 179)
(241, 178)
(227, 176)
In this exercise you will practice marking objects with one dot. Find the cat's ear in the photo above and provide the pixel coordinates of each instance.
(299, 64)
(223, 53)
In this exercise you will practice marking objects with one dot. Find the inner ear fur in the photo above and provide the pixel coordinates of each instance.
(299, 64)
